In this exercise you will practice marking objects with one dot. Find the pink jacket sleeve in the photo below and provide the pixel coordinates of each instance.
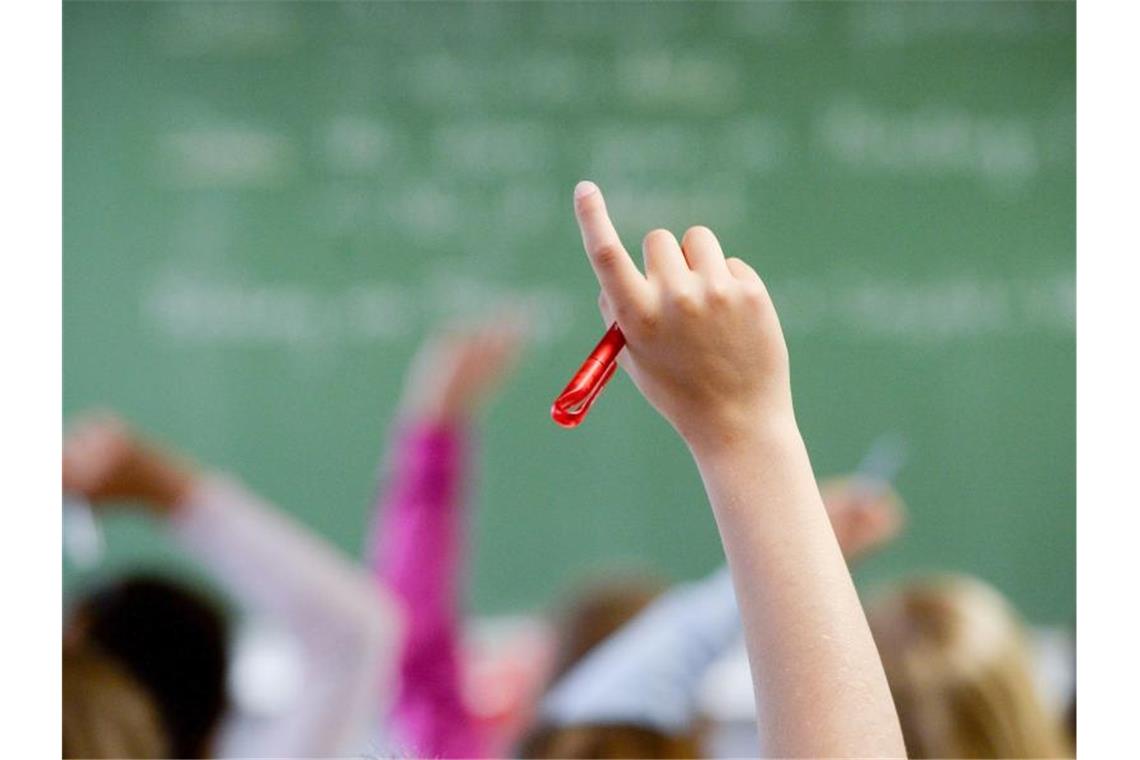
(417, 553)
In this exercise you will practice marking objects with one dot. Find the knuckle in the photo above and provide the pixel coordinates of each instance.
(646, 322)
(754, 292)
(685, 301)
(606, 255)
(719, 293)
(640, 320)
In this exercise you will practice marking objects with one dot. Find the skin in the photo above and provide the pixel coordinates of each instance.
(456, 372)
(705, 348)
(865, 514)
(106, 461)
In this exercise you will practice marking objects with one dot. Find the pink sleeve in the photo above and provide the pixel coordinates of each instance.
(417, 553)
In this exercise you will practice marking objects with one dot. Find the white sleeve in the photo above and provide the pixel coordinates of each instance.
(347, 627)
(649, 672)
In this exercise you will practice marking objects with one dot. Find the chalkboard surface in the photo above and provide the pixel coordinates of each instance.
(267, 205)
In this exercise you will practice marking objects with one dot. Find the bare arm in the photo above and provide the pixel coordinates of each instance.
(814, 665)
(705, 348)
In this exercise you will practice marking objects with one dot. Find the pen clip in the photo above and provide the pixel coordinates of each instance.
(572, 405)
(574, 402)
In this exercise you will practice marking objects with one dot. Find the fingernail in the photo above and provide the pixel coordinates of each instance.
(584, 188)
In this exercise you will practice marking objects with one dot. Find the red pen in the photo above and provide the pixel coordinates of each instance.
(574, 402)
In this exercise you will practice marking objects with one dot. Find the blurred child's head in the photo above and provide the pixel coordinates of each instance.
(106, 712)
(589, 615)
(961, 672)
(170, 639)
(595, 611)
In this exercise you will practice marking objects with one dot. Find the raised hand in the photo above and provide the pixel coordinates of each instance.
(104, 460)
(457, 371)
(865, 514)
(704, 345)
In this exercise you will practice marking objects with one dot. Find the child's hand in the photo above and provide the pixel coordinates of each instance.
(865, 514)
(457, 371)
(104, 460)
(704, 345)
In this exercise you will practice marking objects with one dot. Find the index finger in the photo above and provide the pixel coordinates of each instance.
(619, 277)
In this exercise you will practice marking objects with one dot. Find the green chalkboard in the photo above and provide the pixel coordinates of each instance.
(267, 205)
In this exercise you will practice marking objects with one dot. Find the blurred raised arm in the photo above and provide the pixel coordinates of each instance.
(417, 544)
(349, 634)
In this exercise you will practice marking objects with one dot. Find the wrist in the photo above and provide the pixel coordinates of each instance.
(167, 483)
(755, 432)
(435, 417)
(757, 473)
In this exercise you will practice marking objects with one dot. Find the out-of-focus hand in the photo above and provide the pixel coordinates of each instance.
(865, 514)
(457, 371)
(703, 343)
(104, 460)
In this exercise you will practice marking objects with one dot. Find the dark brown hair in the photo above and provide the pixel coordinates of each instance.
(595, 611)
(171, 639)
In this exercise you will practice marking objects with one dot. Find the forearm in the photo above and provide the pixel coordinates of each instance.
(815, 666)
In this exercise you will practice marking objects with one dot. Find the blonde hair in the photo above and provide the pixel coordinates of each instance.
(106, 713)
(959, 666)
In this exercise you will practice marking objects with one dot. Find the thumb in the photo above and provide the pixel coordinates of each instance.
(605, 308)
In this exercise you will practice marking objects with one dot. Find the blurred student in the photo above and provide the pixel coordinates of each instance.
(705, 348)
(636, 695)
(417, 545)
(597, 609)
(174, 644)
(961, 670)
(106, 712)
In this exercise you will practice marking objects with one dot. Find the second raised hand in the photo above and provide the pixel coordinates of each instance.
(457, 371)
(704, 345)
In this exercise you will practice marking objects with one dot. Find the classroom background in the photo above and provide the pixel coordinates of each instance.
(268, 205)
